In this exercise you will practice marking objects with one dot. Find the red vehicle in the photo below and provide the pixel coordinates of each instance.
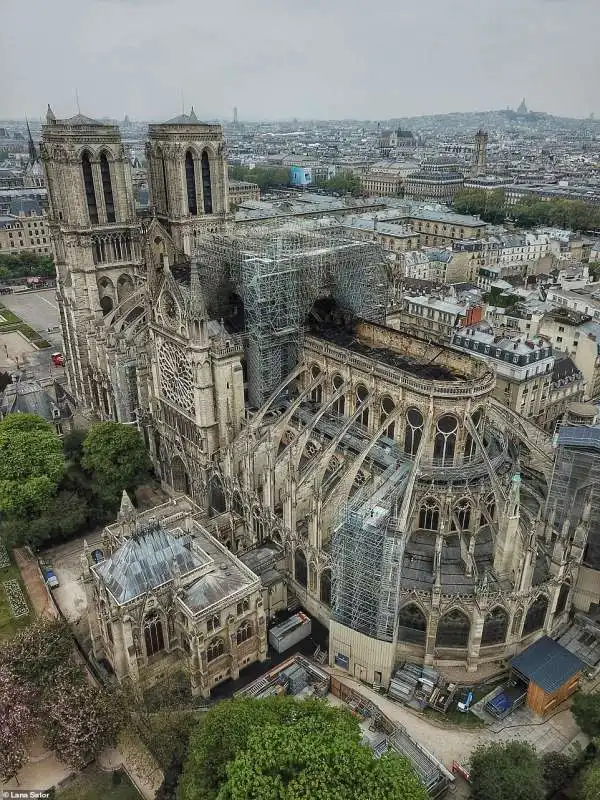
(58, 359)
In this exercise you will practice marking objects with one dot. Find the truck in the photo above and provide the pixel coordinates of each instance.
(290, 632)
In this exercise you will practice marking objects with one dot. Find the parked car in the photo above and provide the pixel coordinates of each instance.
(97, 556)
(58, 359)
(51, 579)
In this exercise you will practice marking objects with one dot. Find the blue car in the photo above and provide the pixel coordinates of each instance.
(51, 579)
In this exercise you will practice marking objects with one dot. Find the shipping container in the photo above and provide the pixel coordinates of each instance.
(290, 632)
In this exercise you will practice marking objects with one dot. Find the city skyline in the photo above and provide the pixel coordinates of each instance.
(137, 58)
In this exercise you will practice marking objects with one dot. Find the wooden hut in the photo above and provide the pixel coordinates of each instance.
(550, 671)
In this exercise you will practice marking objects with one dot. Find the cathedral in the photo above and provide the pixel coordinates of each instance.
(315, 456)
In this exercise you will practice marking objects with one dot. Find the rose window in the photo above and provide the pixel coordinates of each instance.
(176, 376)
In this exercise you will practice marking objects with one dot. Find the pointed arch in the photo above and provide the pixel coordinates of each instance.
(180, 480)
(361, 395)
(386, 407)
(339, 407)
(429, 514)
(153, 633)
(206, 184)
(325, 586)
(453, 629)
(124, 288)
(107, 191)
(412, 624)
(300, 568)
(516, 623)
(495, 626)
(563, 596)
(413, 431)
(216, 497)
(215, 649)
(444, 443)
(190, 183)
(536, 614)
(88, 186)
(244, 632)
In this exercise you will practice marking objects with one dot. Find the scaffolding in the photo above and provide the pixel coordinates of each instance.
(367, 548)
(576, 483)
(279, 271)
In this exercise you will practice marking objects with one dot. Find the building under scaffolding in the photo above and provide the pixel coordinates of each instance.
(279, 272)
(367, 548)
(576, 476)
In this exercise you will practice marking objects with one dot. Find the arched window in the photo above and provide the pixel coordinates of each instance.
(413, 431)
(361, 395)
(216, 497)
(453, 629)
(213, 623)
(429, 515)
(536, 614)
(238, 506)
(462, 511)
(445, 439)
(107, 188)
(387, 406)
(300, 570)
(190, 183)
(316, 394)
(412, 624)
(243, 607)
(124, 288)
(153, 633)
(243, 633)
(179, 477)
(325, 587)
(490, 507)
(88, 185)
(206, 186)
(470, 446)
(495, 626)
(258, 525)
(516, 623)
(563, 595)
(215, 649)
(339, 407)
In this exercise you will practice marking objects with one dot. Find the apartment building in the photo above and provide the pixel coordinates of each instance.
(21, 233)
(577, 335)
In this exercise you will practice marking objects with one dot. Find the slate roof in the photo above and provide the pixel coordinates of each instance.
(547, 664)
(146, 561)
(81, 119)
(227, 578)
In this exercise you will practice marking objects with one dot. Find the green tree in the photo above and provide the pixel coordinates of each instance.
(557, 769)
(506, 771)
(116, 456)
(343, 183)
(586, 710)
(264, 177)
(314, 752)
(590, 787)
(32, 464)
(73, 444)
(26, 264)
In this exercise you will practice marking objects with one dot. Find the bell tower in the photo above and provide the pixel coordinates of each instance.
(95, 240)
(187, 173)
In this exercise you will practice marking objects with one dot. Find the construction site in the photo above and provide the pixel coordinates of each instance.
(271, 276)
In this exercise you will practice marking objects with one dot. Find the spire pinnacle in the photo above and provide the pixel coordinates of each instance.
(193, 116)
(50, 118)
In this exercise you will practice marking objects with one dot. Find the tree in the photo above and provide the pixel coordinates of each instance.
(309, 745)
(264, 177)
(590, 788)
(506, 771)
(116, 456)
(40, 655)
(312, 759)
(343, 183)
(73, 444)
(80, 721)
(32, 464)
(557, 769)
(17, 723)
(586, 710)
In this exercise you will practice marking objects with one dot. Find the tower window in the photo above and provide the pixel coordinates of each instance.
(206, 187)
(107, 188)
(88, 185)
(190, 181)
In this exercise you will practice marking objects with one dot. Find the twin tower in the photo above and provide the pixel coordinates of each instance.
(100, 244)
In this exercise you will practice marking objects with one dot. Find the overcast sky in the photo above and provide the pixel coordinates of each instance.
(327, 59)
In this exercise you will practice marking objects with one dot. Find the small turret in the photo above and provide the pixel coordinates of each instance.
(50, 118)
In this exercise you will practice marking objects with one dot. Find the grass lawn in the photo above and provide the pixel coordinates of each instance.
(454, 718)
(8, 624)
(95, 784)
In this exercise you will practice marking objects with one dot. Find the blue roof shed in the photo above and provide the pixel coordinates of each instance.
(547, 664)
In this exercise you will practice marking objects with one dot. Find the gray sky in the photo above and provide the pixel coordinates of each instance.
(327, 59)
